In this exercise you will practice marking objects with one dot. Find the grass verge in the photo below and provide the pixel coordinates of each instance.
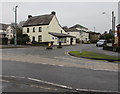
(92, 55)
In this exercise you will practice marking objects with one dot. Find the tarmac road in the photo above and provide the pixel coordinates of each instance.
(56, 67)
(67, 76)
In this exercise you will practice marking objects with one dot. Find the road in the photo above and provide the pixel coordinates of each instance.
(56, 67)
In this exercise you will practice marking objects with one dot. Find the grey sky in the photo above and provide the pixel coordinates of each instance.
(88, 14)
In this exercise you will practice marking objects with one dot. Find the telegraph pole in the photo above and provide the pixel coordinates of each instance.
(113, 26)
(15, 32)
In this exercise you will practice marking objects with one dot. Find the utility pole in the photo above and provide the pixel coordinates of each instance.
(15, 32)
(94, 29)
(113, 21)
(113, 26)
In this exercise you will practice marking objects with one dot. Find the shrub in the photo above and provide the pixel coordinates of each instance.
(110, 48)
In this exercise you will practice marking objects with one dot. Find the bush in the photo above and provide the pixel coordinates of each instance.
(3, 41)
(110, 48)
(21, 39)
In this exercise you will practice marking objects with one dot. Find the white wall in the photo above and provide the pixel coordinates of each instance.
(9, 32)
(82, 36)
(46, 37)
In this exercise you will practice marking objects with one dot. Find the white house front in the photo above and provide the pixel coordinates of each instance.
(7, 30)
(46, 28)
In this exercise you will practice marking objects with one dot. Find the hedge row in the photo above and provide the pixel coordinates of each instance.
(110, 48)
(3, 41)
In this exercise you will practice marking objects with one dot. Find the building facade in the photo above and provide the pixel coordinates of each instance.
(80, 32)
(7, 29)
(46, 28)
(94, 37)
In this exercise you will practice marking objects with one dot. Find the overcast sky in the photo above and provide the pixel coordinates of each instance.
(88, 14)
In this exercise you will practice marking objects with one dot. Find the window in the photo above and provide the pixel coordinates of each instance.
(63, 40)
(11, 31)
(33, 29)
(40, 29)
(27, 30)
(39, 38)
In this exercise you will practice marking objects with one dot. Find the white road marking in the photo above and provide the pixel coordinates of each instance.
(37, 80)
(1, 80)
(44, 63)
(58, 85)
(61, 65)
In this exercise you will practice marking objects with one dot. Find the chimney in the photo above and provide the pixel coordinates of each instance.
(29, 16)
(53, 13)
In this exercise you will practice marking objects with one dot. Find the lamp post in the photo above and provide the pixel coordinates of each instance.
(112, 25)
(15, 32)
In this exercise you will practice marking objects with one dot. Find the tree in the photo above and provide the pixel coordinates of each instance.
(21, 38)
(107, 36)
(21, 23)
(65, 28)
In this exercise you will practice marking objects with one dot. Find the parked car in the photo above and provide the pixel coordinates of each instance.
(101, 43)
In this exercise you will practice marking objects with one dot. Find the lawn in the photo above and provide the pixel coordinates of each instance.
(93, 55)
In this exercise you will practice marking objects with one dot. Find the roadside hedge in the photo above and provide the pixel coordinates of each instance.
(110, 48)
(3, 41)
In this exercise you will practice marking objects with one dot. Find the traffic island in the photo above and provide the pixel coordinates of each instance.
(92, 55)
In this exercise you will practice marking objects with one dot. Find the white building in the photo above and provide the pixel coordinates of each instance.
(7, 29)
(80, 32)
(46, 28)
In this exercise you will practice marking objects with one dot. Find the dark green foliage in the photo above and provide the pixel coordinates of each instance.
(107, 36)
(110, 48)
(21, 38)
(3, 41)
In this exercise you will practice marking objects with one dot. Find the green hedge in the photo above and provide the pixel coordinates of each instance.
(3, 41)
(110, 48)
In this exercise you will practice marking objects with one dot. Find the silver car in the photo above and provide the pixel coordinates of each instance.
(101, 43)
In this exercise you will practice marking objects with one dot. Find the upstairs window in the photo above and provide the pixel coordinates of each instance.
(33, 29)
(27, 30)
(40, 29)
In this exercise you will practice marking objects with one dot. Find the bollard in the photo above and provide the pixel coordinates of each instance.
(49, 46)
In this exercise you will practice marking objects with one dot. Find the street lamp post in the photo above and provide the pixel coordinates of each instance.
(112, 25)
(15, 32)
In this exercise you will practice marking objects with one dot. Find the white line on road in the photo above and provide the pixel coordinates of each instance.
(37, 80)
(59, 85)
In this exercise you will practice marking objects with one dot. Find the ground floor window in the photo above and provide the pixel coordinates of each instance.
(39, 38)
(63, 40)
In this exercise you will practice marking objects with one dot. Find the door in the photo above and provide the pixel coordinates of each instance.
(71, 40)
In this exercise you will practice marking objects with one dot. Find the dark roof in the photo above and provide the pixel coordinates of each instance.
(118, 25)
(38, 20)
(3, 26)
(60, 35)
(94, 33)
(76, 31)
(78, 26)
